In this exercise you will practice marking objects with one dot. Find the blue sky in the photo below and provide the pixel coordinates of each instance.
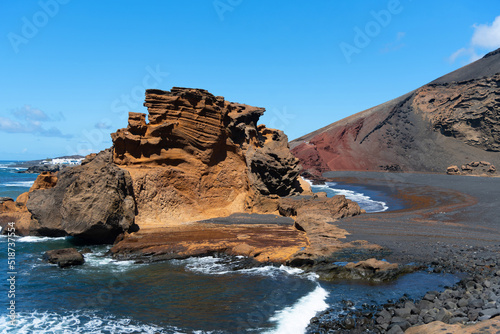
(72, 69)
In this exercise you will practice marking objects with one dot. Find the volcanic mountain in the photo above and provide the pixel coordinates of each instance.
(453, 120)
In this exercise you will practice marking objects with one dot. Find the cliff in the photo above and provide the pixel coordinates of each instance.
(450, 121)
(200, 157)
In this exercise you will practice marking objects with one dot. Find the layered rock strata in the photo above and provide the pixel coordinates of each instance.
(198, 156)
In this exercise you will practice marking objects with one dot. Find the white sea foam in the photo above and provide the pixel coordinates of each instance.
(38, 239)
(364, 201)
(41, 323)
(26, 184)
(99, 260)
(210, 265)
(294, 319)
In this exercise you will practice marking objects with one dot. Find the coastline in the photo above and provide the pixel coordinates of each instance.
(449, 225)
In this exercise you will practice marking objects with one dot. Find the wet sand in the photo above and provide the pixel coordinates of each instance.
(443, 215)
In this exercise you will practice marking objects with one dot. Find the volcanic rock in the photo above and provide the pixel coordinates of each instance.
(453, 170)
(64, 257)
(201, 157)
(454, 118)
(16, 212)
(478, 168)
(315, 215)
(94, 201)
(45, 180)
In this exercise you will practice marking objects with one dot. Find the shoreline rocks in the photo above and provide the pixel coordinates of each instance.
(94, 201)
(66, 257)
(477, 168)
(467, 304)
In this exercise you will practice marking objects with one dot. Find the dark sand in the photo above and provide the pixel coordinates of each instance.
(444, 215)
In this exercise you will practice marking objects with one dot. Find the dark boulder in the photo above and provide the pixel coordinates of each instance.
(64, 257)
(94, 201)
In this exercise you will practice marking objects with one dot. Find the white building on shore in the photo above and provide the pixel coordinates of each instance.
(63, 161)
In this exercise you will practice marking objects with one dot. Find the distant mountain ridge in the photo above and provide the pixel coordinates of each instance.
(450, 121)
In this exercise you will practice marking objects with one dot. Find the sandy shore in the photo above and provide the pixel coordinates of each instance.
(442, 212)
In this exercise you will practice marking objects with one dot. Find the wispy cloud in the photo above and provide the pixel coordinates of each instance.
(486, 37)
(102, 126)
(396, 44)
(31, 120)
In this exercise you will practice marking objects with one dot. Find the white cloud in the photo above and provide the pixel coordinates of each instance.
(485, 38)
(31, 114)
(30, 120)
(102, 126)
(396, 44)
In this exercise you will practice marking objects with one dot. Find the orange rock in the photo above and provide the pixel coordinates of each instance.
(17, 212)
(201, 157)
(453, 170)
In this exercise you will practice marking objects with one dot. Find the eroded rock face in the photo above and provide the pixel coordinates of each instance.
(200, 156)
(466, 110)
(94, 201)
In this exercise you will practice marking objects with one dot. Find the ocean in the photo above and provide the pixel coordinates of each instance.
(196, 295)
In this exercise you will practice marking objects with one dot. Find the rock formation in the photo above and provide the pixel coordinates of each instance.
(200, 156)
(64, 257)
(454, 118)
(94, 201)
(194, 157)
(478, 168)
(17, 212)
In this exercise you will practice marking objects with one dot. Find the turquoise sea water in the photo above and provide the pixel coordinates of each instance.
(197, 295)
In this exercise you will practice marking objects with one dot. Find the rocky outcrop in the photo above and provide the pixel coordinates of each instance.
(45, 180)
(262, 238)
(94, 201)
(454, 118)
(478, 168)
(43, 169)
(465, 110)
(200, 156)
(453, 170)
(64, 257)
(16, 212)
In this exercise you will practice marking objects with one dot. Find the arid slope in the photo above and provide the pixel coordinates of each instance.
(450, 121)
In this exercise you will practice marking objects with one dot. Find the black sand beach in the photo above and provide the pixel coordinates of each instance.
(449, 224)
(443, 212)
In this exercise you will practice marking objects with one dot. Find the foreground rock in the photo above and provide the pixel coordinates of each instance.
(94, 201)
(454, 119)
(64, 257)
(201, 157)
(263, 238)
